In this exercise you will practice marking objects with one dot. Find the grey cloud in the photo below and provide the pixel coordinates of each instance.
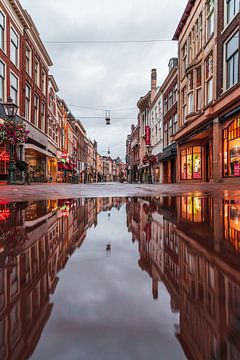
(106, 76)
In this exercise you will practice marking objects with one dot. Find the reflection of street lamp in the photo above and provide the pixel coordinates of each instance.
(11, 111)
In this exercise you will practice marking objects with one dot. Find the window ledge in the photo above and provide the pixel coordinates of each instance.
(228, 90)
(226, 25)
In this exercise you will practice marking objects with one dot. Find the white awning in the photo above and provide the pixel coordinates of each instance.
(38, 149)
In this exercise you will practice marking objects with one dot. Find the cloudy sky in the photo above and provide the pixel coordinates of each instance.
(106, 76)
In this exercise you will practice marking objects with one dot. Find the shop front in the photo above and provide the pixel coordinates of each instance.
(144, 173)
(231, 148)
(156, 174)
(66, 168)
(168, 160)
(36, 159)
(52, 167)
(195, 157)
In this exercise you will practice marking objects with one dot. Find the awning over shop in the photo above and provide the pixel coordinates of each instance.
(62, 166)
(38, 149)
(168, 153)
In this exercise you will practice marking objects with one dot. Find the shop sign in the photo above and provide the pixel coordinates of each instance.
(59, 154)
(148, 135)
(236, 169)
(65, 157)
(4, 214)
(197, 175)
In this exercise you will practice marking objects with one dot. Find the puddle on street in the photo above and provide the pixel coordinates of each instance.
(120, 278)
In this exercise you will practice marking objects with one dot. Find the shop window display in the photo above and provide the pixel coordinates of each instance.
(191, 163)
(231, 149)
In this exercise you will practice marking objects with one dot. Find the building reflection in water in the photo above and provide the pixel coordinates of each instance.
(191, 244)
(36, 241)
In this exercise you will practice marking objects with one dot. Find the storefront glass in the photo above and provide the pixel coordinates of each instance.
(37, 164)
(191, 163)
(231, 147)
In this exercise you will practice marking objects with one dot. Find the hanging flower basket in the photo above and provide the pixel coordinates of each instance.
(12, 133)
(149, 159)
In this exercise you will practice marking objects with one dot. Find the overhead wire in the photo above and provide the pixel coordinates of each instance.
(101, 109)
(105, 41)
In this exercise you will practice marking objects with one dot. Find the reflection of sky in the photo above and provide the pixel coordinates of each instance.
(103, 306)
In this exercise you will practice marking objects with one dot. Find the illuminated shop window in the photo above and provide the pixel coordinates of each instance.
(191, 163)
(231, 149)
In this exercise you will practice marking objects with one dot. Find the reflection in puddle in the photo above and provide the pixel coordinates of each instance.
(101, 304)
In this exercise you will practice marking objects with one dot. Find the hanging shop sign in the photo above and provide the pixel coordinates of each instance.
(148, 135)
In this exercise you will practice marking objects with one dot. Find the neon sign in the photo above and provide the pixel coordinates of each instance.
(4, 156)
(4, 214)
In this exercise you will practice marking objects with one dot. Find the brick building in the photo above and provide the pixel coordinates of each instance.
(208, 136)
(133, 156)
(169, 91)
(24, 64)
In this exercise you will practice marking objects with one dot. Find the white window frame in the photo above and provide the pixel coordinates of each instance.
(37, 73)
(14, 45)
(28, 49)
(44, 82)
(28, 103)
(36, 110)
(12, 75)
(236, 53)
(3, 81)
(210, 19)
(209, 82)
(43, 115)
(3, 31)
(236, 5)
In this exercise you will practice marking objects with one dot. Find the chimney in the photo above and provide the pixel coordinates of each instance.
(153, 83)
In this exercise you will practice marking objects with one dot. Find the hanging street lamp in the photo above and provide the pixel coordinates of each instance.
(108, 118)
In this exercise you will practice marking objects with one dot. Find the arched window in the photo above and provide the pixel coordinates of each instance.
(231, 149)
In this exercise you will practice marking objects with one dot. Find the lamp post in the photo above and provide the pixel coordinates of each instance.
(11, 111)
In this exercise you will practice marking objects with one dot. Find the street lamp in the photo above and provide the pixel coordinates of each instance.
(108, 118)
(11, 111)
